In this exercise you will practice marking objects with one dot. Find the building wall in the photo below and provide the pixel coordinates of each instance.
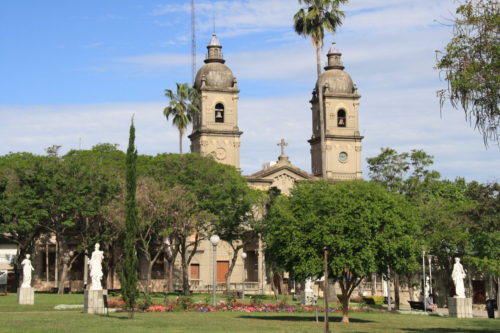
(337, 139)
(221, 140)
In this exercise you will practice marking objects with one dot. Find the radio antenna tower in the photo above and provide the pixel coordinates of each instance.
(193, 41)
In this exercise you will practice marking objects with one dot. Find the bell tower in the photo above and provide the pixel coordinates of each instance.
(215, 128)
(341, 115)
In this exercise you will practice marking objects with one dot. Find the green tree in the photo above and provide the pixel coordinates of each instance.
(219, 190)
(101, 222)
(128, 274)
(312, 20)
(404, 173)
(189, 225)
(183, 107)
(21, 213)
(484, 229)
(51, 195)
(470, 64)
(364, 227)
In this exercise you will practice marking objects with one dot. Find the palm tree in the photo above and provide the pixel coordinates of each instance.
(183, 107)
(312, 20)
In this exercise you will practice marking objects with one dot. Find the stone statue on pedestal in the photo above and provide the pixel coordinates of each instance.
(427, 289)
(308, 285)
(95, 265)
(27, 268)
(458, 276)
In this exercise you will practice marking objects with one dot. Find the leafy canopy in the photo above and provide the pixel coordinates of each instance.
(470, 64)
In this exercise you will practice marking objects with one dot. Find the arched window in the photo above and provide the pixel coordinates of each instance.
(219, 113)
(341, 118)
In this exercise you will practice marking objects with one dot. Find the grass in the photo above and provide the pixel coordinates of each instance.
(42, 318)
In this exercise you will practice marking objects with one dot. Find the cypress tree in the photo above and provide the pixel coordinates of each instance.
(128, 274)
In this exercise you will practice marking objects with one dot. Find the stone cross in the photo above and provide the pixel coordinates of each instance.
(283, 144)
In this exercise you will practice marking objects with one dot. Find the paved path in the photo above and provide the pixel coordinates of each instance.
(444, 311)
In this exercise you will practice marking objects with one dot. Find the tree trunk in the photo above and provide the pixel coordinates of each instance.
(345, 303)
(273, 285)
(410, 287)
(396, 291)
(345, 308)
(181, 134)
(498, 294)
(148, 278)
(321, 112)
(344, 287)
(469, 280)
(231, 266)
(282, 285)
(374, 284)
(62, 280)
(61, 271)
(170, 277)
(185, 277)
(170, 256)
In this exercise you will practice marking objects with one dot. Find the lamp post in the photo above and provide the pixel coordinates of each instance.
(325, 289)
(214, 239)
(70, 255)
(430, 272)
(243, 257)
(423, 279)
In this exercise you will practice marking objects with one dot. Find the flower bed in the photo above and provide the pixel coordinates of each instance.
(115, 303)
(241, 307)
(187, 304)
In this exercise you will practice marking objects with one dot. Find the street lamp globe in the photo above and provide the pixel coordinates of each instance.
(214, 239)
(243, 255)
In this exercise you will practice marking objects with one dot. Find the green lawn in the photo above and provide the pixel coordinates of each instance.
(42, 318)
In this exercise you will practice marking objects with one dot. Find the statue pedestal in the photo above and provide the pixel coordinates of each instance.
(93, 301)
(460, 307)
(26, 295)
(307, 297)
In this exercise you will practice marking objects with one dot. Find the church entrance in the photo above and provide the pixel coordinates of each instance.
(222, 269)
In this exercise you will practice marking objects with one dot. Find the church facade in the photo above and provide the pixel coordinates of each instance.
(216, 133)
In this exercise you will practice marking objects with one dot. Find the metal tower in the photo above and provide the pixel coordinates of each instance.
(193, 42)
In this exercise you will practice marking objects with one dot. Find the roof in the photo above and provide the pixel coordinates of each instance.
(282, 175)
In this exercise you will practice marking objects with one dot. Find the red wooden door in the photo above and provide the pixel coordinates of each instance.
(222, 269)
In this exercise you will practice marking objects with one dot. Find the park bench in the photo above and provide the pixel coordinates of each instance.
(418, 306)
(369, 300)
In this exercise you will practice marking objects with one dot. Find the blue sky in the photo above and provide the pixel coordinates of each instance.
(74, 72)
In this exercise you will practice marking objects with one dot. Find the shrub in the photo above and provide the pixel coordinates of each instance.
(379, 300)
(184, 302)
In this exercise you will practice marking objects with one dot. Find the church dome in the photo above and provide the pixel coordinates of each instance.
(214, 74)
(334, 77)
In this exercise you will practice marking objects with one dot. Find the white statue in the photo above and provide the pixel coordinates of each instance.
(308, 286)
(427, 288)
(96, 268)
(27, 268)
(458, 277)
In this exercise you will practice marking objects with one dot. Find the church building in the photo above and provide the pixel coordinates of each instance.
(216, 132)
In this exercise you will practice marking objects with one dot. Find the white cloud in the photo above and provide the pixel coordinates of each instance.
(234, 18)
(36, 127)
(158, 59)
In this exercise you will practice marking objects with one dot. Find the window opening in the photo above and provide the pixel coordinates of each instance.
(341, 118)
(219, 113)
